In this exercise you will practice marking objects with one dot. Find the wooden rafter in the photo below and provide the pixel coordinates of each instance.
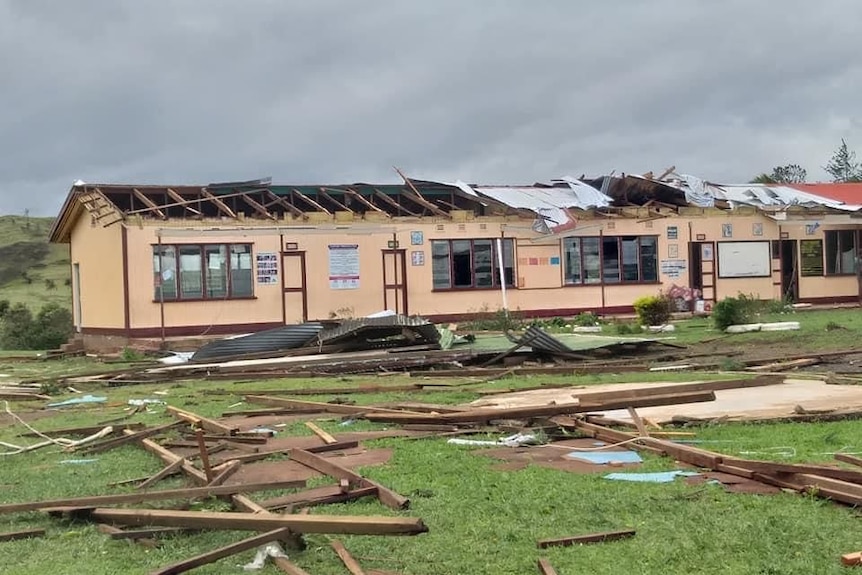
(311, 202)
(149, 203)
(219, 204)
(398, 207)
(178, 198)
(276, 199)
(419, 198)
(182, 203)
(258, 207)
(334, 201)
(365, 202)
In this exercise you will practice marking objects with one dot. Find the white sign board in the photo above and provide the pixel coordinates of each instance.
(744, 260)
(267, 268)
(343, 266)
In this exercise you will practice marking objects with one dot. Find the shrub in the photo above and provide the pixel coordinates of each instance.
(51, 327)
(4, 307)
(586, 319)
(733, 311)
(653, 309)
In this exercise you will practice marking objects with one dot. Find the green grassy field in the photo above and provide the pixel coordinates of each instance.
(32, 271)
(480, 520)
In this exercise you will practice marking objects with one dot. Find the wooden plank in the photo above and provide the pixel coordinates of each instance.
(332, 469)
(112, 531)
(144, 533)
(639, 423)
(346, 558)
(334, 524)
(182, 201)
(341, 206)
(851, 559)
(204, 455)
(392, 203)
(170, 469)
(317, 496)
(483, 415)
(206, 423)
(652, 389)
(365, 202)
(850, 475)
(327, 438)
(851, 459)
(149, 203)
(545, 567)
(22, 534)
(311, 202)
(130, 437)
(258, 207)
(230, 468)
(141, 496)
(222, 552)
(341, 445)
(322, 406)
(419, 198)
(589, 538)
(169, 456)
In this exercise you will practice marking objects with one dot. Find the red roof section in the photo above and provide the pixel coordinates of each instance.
(847, 193)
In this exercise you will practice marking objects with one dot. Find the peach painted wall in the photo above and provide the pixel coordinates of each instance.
(98, 252)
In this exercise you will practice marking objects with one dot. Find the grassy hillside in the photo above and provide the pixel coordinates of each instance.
(32, 271)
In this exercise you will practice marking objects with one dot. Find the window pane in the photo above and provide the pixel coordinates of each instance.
(240, 271)
(848, 251)
(832, 255)
(611, 260)
(630, 258)
(165, 272)
(482, 268)
(572, 257)
(649, 258)
(461, 264)
(440, 264)
(591, 260)
(508, 262)
(216, 271)
(190, 272)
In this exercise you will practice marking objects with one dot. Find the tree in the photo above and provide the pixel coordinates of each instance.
(789, 174)
(843, 166)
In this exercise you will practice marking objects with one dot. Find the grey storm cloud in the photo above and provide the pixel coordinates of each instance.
(485, 91)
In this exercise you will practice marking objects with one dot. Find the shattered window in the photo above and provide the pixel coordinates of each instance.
(610, 259)
(840, 252)
(463, 264)
(208, 271)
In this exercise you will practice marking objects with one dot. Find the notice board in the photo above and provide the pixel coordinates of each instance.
(811, 257)
(744, 260)
(343, 266)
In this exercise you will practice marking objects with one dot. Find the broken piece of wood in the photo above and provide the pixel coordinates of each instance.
(589, 538)
(129, 437)
(850, 559)
(211, 425)
(170, 469)
(545, 567)
(222, 552)
(23, 534)
(141, 496)
(851, 459)
(230, 468)
(327, 438)
(147, 542)
(346, 558)
(334, 524)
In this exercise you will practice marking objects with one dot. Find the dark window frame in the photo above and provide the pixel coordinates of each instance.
(838, 267)
(620, 263)
(202, 249)
(511, 283)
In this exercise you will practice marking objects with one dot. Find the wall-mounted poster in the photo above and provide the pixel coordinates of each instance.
(343, 266)
(706, 252)
(267, 268)
(672, 268)
(416, 238)
(757, 229)
(811, 257)
(672, 232)
(673, 251)
(727, 230)
(417, 258)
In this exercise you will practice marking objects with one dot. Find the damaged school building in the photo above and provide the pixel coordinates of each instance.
(157, 261)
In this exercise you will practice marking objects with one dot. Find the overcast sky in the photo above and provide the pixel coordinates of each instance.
(319, 91)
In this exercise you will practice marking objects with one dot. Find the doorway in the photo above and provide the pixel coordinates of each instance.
(395, 281)
(701, 257)
(789, 254)
(295, 296)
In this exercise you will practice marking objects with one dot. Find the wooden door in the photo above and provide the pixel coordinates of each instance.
(295, 296)
(702, 269)
(395, 281)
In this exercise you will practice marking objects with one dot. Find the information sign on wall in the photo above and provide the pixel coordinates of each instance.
(267, 268)
(343, 266)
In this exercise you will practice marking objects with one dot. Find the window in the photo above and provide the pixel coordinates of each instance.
(209, 271)
(840, 252)
(464, 264)
(610, 260)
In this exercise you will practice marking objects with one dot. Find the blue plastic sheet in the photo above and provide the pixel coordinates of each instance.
(656, 477)
(79, 400)
(605, 457)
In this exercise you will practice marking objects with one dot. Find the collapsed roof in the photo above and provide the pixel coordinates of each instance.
(551, 205)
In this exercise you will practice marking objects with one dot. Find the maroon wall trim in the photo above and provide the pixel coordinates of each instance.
(182, 330)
